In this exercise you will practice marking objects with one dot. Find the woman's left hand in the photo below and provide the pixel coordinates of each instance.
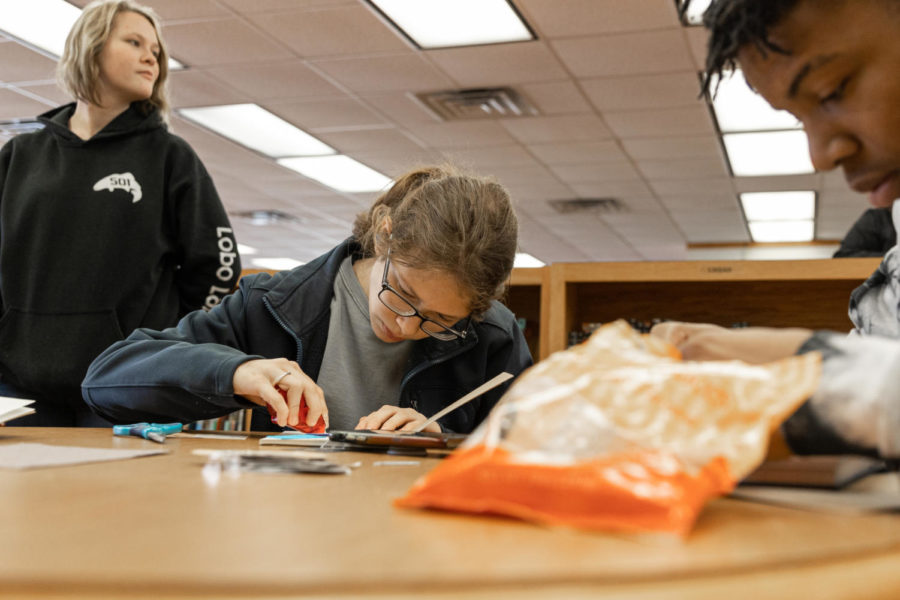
(394, 418)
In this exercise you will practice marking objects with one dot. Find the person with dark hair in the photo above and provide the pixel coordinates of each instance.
(109, 222)
(834, 65)
(385, 330)
(873, 234)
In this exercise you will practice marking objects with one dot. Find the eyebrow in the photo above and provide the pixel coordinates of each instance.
(805, 70)
(403, 287)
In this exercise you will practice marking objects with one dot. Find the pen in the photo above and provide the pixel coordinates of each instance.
(155, 432)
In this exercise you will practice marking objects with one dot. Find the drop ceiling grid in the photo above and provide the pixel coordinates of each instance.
(615, 83)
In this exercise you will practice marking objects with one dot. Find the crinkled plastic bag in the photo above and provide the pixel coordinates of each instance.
(619, 433)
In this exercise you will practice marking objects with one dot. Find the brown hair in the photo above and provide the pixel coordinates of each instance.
(78, 69)
(441, 218)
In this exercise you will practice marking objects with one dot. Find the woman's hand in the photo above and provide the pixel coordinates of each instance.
(259, 381)
(757, 345)
(393, 418)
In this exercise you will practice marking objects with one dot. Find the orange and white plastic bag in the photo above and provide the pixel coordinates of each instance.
(619, 434)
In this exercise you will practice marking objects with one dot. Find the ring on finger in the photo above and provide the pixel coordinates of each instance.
(280, 377)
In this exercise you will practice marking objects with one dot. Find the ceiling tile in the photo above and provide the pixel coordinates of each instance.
(401, 72)
(200, 43)
(684, 187)
(259, 6)
(706, 146)
(292, 79)
(192, 87)
(654, 123)
(394, 163)
(698, 202)
(556, 98)
(332, 113)
(16, 106)
(23, 64)
(536, 130)
(584, 17)
(561, 153)
(174, 10)
(613, 189)
(506, 64)
(463, 134)
(494, 156)
(400, 107)
(312, 33)
(619, 170)
(698, 38)
(625, 54)
(643, 91)
(369, 140)
(48, 91)
(685, 168)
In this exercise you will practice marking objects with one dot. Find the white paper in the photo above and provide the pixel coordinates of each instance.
(30, 456)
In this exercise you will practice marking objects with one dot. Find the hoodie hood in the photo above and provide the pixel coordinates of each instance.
(129, 122)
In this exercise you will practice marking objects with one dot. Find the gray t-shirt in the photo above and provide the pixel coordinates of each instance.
(359, 372)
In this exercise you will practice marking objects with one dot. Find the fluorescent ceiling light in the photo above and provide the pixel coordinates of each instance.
(739, 108)
(44, 25)
(769, 153)
(779, 206)
(339, 172)
(781, 231)
(258, 129)
(276, 264)
(526, 261)
(448, 23)
(695, 11)
(246, 250)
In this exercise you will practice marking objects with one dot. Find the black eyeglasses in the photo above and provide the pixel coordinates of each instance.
(399, 305)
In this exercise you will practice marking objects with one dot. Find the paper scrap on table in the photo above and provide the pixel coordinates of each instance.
(30, 455)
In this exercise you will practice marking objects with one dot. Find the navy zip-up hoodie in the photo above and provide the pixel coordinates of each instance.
(185, 373)
(99, 237)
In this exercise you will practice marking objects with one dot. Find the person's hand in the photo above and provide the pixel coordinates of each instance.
(393, 418)
(757, 345)
(259, 381)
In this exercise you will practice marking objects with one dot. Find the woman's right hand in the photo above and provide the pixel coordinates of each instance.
(259, 381)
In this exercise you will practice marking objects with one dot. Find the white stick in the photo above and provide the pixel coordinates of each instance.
(468, 397)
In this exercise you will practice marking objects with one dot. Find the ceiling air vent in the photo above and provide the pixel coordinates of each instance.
(266, 217)
(594, 205)
(477, 103)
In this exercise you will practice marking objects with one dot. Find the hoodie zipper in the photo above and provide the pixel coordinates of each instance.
(284, 326)
(429, 363)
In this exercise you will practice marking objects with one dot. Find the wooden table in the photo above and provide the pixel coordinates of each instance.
(155, 527)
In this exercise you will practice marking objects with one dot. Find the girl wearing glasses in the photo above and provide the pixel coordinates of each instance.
(381, 332)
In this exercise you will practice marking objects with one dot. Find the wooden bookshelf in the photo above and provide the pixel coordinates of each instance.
(523, 297)
(801, 293)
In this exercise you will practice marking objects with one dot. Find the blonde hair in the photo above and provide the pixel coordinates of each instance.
(78, 70)
(441, 218)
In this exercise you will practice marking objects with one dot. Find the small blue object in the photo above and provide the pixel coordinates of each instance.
(156, 432)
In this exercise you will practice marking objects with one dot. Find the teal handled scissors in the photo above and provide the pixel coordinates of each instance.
(156, 432)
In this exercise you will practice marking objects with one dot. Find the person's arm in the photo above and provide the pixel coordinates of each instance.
(184, 373)
(757, 345)
(856, 406)
(209, 264)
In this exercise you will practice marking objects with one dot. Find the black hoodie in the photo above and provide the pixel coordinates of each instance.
(99, 237)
